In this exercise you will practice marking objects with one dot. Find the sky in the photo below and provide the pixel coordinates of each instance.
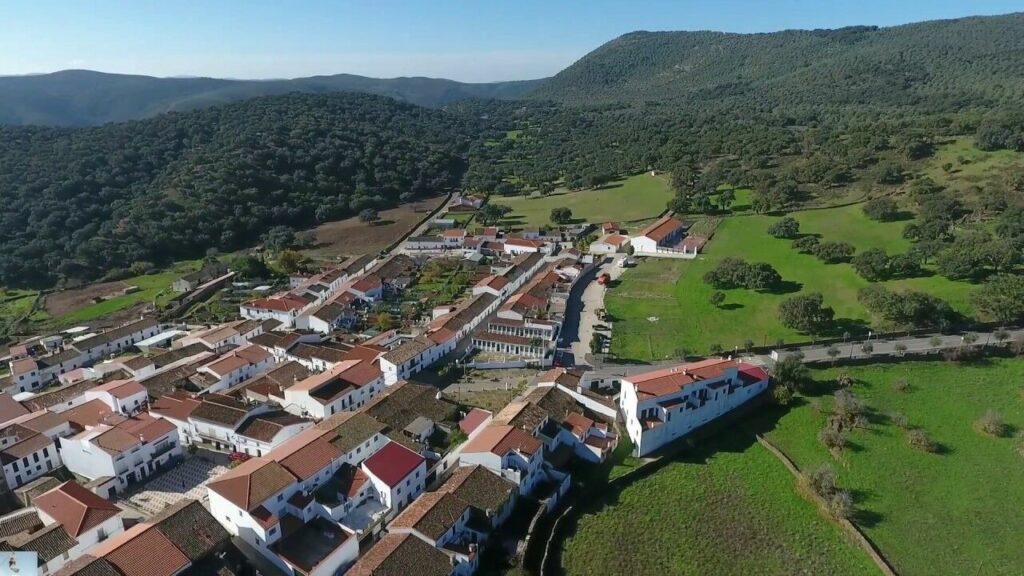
(468, 40)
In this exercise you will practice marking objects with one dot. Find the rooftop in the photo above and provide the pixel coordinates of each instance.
(393, 463)
(500, 439)
(76, 509)
(252, 482)
(402, 555)
(305, 546)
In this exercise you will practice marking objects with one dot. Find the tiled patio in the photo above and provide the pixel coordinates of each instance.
(187, 480)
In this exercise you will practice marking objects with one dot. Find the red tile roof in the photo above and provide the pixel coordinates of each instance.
(285, 303)
(393, 463)
(473, 420)
(670, 380)
(178, 406)
(502, 439)
(523, 242)
(252, 482)
(148, 553)
(75, 508)
(662, 228)
(122, 389)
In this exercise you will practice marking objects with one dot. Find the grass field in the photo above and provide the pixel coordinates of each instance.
(956, 512)
(733, 510)
(674, 292)
(970, 166)
(15, 304)
(634, 198)
(152, 288)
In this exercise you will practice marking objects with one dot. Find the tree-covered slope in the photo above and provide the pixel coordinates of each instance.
(78, 203)
(87, 98)
(932, 66)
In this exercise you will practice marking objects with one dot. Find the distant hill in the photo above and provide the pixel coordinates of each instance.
(87, 98)
(940, 65)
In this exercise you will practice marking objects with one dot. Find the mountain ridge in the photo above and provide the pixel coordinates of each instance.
(78, 97)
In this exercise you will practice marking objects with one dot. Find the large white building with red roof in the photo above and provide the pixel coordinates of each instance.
(663, 405)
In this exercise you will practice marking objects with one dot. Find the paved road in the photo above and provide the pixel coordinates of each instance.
(581, 311)
(818, 353)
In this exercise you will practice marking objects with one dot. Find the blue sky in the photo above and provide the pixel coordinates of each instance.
(469, 40)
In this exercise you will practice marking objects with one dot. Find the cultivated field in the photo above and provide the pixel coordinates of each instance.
(351, 237)
(634, 198)
(674, 291)
(731, 510)
(955, 512)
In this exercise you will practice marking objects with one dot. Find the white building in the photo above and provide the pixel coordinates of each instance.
(509, 452)
(126, 452)
(660, 237)
(238, 365)
(397, 474)
(665, 404)
(86, 517)
(123, 396)
(610, 244)
(345, 387)
(117, 339)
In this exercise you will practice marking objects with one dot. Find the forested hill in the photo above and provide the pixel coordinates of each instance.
(932, 66)
(87, 98)
(78, 203)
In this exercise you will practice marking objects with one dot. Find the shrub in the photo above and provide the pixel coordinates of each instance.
(832, 438)
(920, 440)
(782, 395)
(882, 209)
(900, 385)
(900, 420)
(834, 252)
(822, 480)
(840, 504)
(786, 227)
(806, 245)
(991, 423)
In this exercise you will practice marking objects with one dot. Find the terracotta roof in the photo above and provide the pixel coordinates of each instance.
(408, 350)
(11, 409)
(148, 552)
(393, 463)
(23, 366)
(479, 487)
(29, 443)
(473, 419)
(252, 482)
(191, 528)
(522, 242)
(43, 421)
(89, 565)
(91, 413)
(121, 389)
(60, 395)
(310, 459)
(285, 303)
(367, 283)
(577, 423)
(176, 405)
(221, 409)
(265, 427)
(350, 479)
(454, 233)
(662, 227)
(48, 542)
(402, 555)
(23, 520)
(672, 379)
(502, 439)
(615, 239)
(76, 508)
(347, 430)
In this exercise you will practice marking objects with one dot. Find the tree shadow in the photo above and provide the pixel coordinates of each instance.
(867, 518)
(382, 223)
(608, 186)
(784, 287)
(731, 306)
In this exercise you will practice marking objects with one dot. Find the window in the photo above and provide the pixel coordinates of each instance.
(280, 497)
(35, 457)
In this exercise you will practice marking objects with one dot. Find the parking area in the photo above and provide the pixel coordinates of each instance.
(187, 480)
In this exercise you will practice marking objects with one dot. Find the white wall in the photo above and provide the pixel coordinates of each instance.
(28, 469)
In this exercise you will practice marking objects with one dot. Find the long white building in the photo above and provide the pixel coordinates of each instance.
(663, 405)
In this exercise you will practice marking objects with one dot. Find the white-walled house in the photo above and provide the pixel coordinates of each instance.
(263, 503)
(347, 386)
(123, 396)
(238, 365)
(663, 405)
(127, 452)
(117, 339)
(660, 236)
(86, 517)
(397, 474)
(610, 244)
(26, 455)
(509, 452)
